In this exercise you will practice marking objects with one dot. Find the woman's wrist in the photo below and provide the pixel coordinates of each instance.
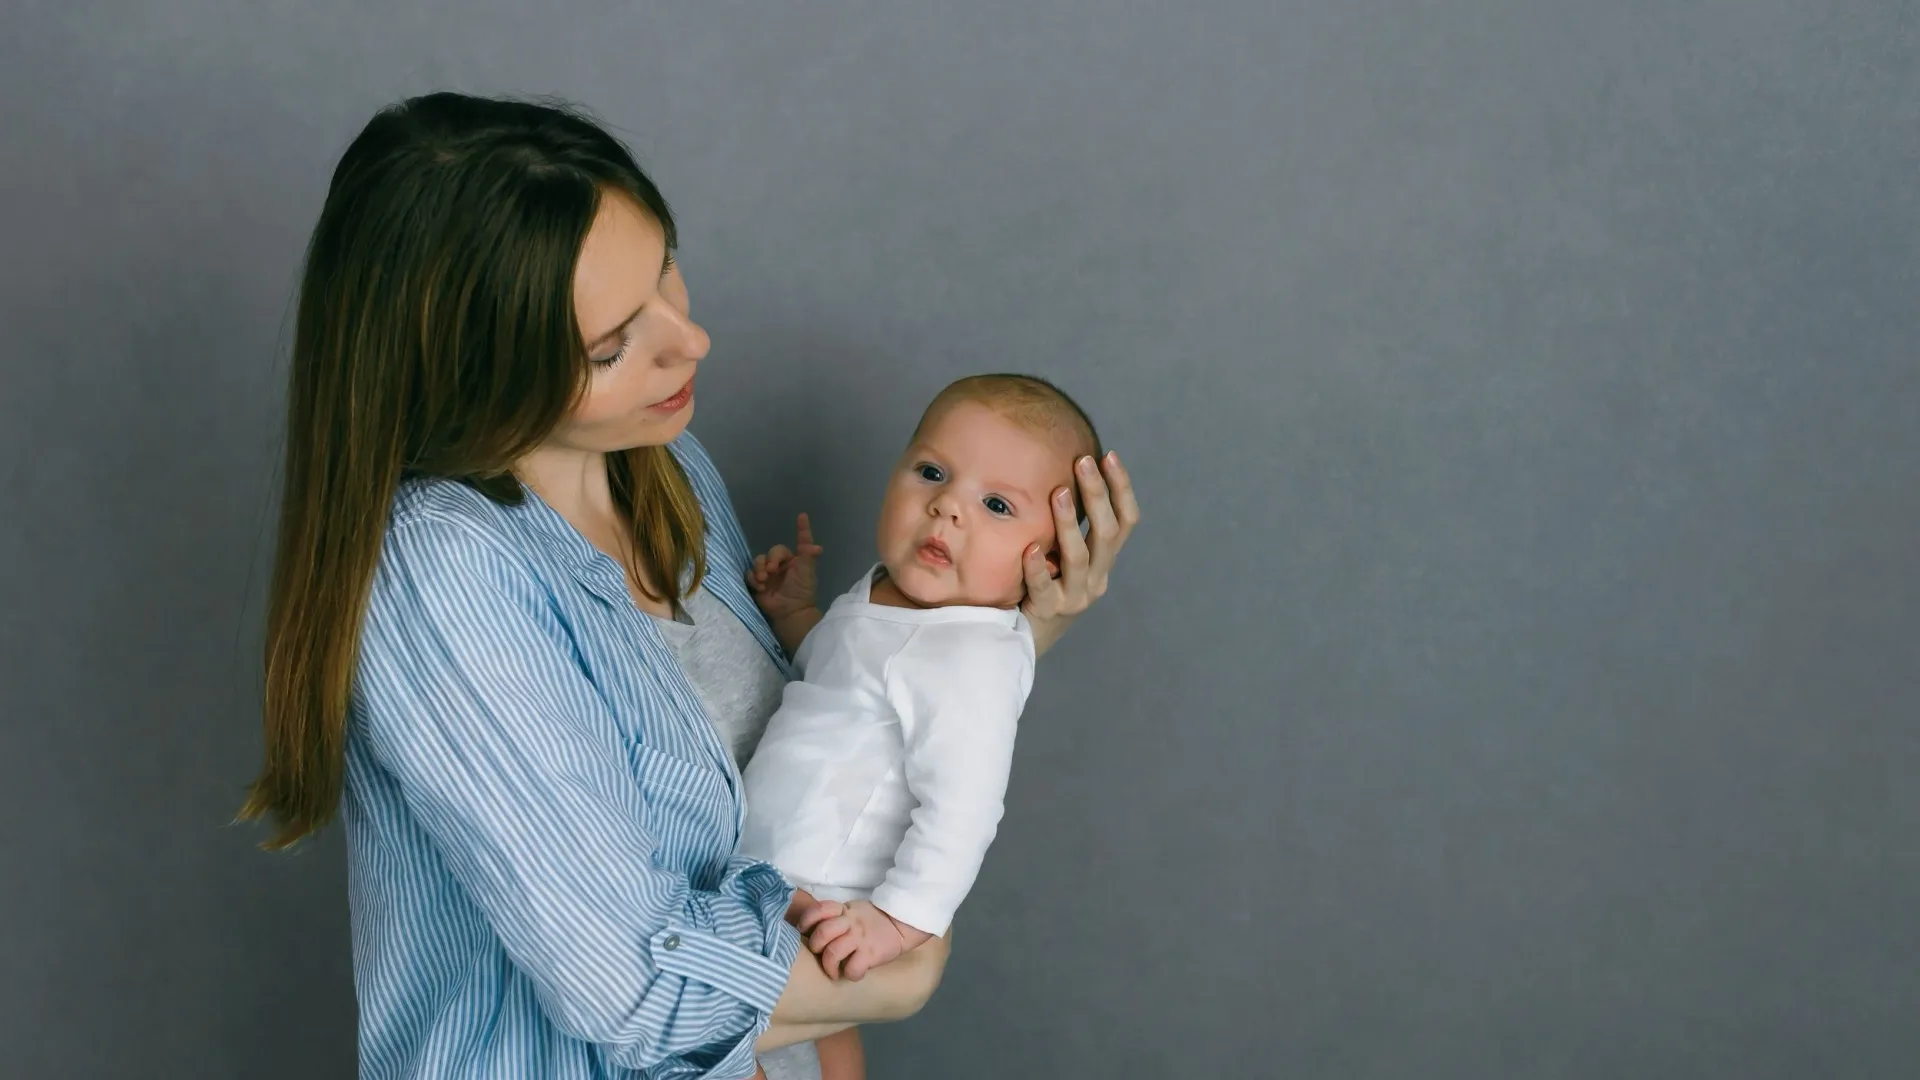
(1048, 631)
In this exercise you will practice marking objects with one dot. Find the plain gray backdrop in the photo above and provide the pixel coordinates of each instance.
(1516, 673)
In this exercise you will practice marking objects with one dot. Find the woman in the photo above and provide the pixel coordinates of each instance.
(494, 533)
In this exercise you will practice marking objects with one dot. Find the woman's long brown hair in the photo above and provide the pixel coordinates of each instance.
(436, 337)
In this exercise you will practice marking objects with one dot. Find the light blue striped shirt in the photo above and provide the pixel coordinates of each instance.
(540, 819)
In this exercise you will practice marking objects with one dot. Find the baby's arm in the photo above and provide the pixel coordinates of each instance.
(958, 689)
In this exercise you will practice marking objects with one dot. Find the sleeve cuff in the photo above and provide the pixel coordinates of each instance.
(922, 915)
(736, 940)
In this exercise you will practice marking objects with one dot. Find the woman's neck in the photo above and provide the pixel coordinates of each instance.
(573, 482)
(576, 486)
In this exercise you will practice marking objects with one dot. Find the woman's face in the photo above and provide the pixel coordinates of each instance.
(642, 346)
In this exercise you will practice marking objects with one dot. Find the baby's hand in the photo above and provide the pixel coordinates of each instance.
(853, 939)
(783, 581)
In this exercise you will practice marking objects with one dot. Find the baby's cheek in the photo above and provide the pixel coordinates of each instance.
(1010, 568)
(896, 527)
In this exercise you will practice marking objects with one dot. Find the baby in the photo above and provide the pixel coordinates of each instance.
(878, 784)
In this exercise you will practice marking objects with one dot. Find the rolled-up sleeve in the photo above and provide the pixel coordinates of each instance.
(471, 696)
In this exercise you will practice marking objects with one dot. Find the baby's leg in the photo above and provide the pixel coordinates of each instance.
(801, 1061)
(841, 1056)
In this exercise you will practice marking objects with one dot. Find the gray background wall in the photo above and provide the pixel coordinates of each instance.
(1515, 676)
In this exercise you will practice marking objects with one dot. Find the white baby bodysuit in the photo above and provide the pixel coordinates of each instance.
(881, 776)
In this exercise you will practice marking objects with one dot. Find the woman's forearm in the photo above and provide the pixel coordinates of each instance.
(1045, 633)
(782, 1034)
(892, 992)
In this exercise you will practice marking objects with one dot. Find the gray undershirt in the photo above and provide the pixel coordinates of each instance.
(740, 686)
(738, 682)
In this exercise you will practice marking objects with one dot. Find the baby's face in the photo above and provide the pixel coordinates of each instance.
(965, 501)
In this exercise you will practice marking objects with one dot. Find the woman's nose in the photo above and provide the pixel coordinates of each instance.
(690, 341)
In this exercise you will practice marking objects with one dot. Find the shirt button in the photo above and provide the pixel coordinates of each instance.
(672, 942)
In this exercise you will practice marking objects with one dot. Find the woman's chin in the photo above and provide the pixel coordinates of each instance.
(665, 429)
(654, 430)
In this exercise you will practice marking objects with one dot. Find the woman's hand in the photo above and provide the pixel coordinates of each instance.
(1054, 602)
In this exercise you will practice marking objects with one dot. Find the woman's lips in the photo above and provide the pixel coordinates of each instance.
(677, 402)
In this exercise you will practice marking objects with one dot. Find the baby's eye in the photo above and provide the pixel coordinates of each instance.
(997, 505)
(931, 473)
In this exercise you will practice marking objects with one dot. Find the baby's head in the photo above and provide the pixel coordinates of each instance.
(971, 491)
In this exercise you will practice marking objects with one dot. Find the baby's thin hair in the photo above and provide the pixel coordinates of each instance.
(1027, 400)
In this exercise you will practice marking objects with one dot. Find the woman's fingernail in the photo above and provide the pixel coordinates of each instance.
(1060, 498)
(1086, 463)
(1113, 456)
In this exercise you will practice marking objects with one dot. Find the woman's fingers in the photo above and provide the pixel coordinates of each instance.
(1040, 581)
(1073, 555)
(1125, 507)
(1103, 525)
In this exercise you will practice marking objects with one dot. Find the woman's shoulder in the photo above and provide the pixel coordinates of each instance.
(437, 515)
(429, 499)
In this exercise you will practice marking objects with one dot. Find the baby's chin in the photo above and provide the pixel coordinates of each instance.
(932, 588)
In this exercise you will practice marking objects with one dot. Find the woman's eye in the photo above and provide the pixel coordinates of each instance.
(997, 505)
(609, 361)
(931, 474)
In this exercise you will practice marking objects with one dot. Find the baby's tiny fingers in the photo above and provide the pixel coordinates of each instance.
(822, 909)
(857, 965)
(837, 954)
(818, 941)
(819, 913)
(823, 934)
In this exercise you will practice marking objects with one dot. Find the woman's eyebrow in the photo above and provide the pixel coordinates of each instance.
(666, 264)
(608, 337)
